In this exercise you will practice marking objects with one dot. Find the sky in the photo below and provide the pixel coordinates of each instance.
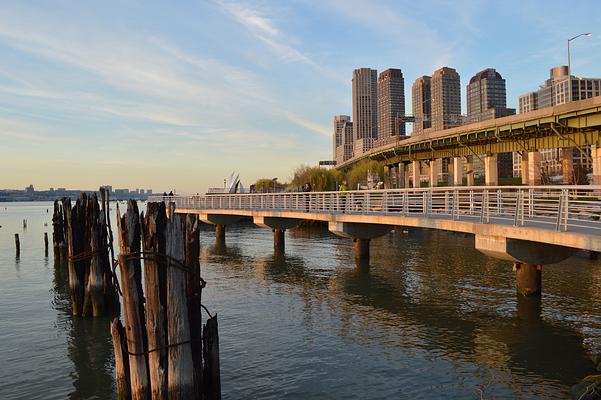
(175, 95)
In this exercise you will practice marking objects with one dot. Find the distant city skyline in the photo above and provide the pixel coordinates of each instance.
(178, 96)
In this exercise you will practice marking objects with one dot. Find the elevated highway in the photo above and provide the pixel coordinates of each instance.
(574, 124)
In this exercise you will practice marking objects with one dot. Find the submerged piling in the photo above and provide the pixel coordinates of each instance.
(45, 244)
(17, 245)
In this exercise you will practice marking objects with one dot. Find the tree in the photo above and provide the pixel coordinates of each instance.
(357, 175)
(321, 179)
(265, 185)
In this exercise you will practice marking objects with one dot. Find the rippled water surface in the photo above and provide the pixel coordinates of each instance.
(430, 317)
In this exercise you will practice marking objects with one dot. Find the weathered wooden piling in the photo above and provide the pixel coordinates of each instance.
(45, 244)
(17, 245)
(194, 285)
(155, 286)
(58, 232)
(163, 332)
(90, 275)
(24, 224)
(210, 342)
(180, 383)
(121, 360)
(133, 302)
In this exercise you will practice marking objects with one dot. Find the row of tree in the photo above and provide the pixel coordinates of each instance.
(323, 179)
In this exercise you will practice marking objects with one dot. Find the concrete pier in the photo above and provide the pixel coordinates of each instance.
(528, 279)
(220, 234)
(279, 240)
(361, 248)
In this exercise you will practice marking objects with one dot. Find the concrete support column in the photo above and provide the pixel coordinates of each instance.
(401, 175)
(386, 177)
(220, 234)
(469, 170)
(524, 173)
(361, 248)
(279, 241)
(491, 170)
(416, 173)
(567, 165)
(433, 173)
(596, 156)
(528, 279)
(457, 172)
(534, 175)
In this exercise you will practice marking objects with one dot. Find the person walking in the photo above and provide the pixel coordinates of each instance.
(343, 188)
(307, 188)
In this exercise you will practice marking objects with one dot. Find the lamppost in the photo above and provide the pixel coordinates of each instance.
(569, 63)
(274, 180)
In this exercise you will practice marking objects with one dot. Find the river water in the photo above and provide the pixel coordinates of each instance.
(430, 317)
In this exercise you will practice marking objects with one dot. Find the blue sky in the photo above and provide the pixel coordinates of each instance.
(176, 95)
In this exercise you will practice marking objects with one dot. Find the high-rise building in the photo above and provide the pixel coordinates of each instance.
(343, 138)
(556, 91)
(421, 104)
(391, 105)
(487, 97)
(446, 99)
(365, 121)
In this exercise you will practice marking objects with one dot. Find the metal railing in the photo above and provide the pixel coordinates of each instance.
(561, 208)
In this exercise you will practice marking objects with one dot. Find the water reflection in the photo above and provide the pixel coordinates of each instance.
(89, 345)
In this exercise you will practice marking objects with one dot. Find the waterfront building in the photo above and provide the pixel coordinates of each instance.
(343, 138)
(487, 99)
(391, 105)
(556, 91)
(446, 99)
(365, 121)
(421, 104)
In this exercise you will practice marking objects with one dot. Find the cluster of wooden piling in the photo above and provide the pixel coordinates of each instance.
(81, 234)
(159, 352)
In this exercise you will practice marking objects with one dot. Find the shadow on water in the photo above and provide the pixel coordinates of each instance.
(89, 344)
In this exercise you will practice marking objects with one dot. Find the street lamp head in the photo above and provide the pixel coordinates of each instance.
(588, 34)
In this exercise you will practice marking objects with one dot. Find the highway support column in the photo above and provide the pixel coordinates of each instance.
(433, 173)
(401, 175)
(457, 171)
(469, 168)
(528, 279)
(534, 175)
(596, 157)
(491, 170)
(524, 168)
(416, 174)
(386, 177)
(567, 165)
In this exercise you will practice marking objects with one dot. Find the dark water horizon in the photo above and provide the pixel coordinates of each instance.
(428, 317)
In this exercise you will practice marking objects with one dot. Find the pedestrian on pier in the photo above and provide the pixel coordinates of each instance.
(307, 188)
(342, 189)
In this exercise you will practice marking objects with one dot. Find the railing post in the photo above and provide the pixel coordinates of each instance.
(518, 201)
(559, 211)
(384, 202)
(367, 202)
(499, 201)
(424, 202)
(446, 202)
(566, 213)
(471, 202)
